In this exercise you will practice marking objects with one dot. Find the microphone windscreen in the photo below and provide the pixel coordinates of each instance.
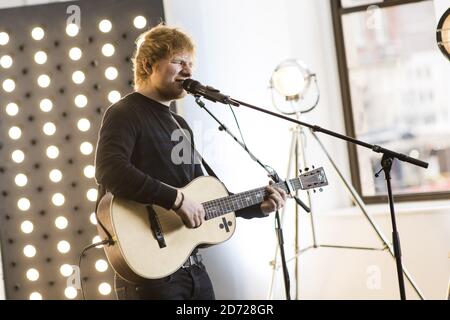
(190, 84)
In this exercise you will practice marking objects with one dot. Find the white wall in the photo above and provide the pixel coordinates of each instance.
(239, 44)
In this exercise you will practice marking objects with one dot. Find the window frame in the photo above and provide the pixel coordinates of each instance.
(337, 12)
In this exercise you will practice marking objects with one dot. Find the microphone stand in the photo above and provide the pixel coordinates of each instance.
(274, 176)
(386, 163)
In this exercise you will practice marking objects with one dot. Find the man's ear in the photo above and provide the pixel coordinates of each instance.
(147, 67)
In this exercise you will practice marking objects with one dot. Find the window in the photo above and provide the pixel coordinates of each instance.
(395, 89)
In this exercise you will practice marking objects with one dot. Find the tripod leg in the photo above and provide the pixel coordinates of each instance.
(359, 202)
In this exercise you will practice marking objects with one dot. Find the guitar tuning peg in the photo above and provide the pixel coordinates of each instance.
(314, 190)
(306, 169)
(313, 167)
(300, 170)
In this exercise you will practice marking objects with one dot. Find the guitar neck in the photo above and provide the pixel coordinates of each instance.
(218, 207)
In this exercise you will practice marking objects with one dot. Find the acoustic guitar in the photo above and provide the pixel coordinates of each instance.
(150, 242)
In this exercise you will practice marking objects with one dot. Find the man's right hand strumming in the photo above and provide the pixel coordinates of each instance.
(191, 212)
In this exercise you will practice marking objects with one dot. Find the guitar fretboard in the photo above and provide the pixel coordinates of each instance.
(218, 207)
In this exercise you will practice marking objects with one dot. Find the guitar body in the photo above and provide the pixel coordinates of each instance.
(136, 254)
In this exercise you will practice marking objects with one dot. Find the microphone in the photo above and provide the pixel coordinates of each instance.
(197, 89)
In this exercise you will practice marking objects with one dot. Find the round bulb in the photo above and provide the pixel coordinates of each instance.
(9, 85)
(108, 50)
(46, 105)
(49, 128)
(61, 223)
(40, 57)
(101, 265)
(37, 33)
(140, 22)
(58, 199)
(12, 109)
(43, 81)
(114, 96)
(111, 73)
(78, 77)
(27, 227)
(15, 133)
(93, 219)
(6, 61)
(86, 148)
(72, 29)
(70, 292)
(52, 152)
(4, 38)
(289, 81)
(63, 246)
(83, 124)
(89, 171)
(105, 26)
(23, 204)
(97, 239)
(104, 288)
(66, 270)
(29, 251)
(32, 274)
(75, 53)
(18, 156)
(91, 194)
(55, 175)
(21, 180)
(80, 101)
(35, 296)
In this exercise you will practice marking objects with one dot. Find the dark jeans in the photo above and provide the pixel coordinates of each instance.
(191, 283)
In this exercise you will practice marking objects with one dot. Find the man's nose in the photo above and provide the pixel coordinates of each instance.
(186, 71)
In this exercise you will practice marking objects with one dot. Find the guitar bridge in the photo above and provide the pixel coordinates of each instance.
(156, 226)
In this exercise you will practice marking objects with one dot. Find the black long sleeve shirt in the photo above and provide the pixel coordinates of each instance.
(134, 154)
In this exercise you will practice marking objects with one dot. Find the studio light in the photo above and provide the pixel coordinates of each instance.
(291, 80)
(443, 34)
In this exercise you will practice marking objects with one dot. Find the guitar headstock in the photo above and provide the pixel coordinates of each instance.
(311, 179)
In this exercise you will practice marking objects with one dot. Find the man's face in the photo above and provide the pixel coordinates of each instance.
(167, 75)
